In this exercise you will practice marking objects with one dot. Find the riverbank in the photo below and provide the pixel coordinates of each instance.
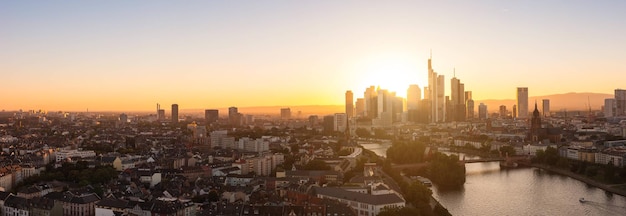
(581, 178)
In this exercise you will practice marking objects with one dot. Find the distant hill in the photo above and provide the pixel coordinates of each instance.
(569, 101)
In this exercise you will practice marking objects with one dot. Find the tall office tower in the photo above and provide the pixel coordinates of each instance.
(470, 109)
(385, 107)
(285, 113)
(413, 96)
(426, 93)
(468, 96)
(522, 102)
(514, 111)
(161, 114)
(158, 109)
(620, 102)
(441, 112)
(359, 107)
(397, 107)
(349, 104)
(175, 113)
(482, 111)
(502, 111)
(609, 107)
(371, 102)
(234, 118)
(447, 114)
(340, 122)
(432, 91)
(545, 108)
(457, 100)
(211, 116)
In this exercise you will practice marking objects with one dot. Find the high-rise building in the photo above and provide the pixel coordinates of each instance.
(468, 97)
(340, 122)
(482, 111)
(211, 116)
(285, 113)
(175, 113)
(620, 102)
(371, 102)
(359, 107)
(470, 109)
(514, 111)
(609, 107)
(441, 109)
(329, 123)
(502, 111)
(161, 114)
(545, 107)
(432, 92)
(457, 100)
(522, 102)
(413, 96)
(385, 107)
(234, 117)
(158, 114)
(349, 104)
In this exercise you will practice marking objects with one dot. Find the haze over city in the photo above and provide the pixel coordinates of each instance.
(130, 55)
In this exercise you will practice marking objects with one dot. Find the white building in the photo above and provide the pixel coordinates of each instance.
(362, 204)
(64, 154)
(340, 122)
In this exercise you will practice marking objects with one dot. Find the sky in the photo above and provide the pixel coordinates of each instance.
(130, 55)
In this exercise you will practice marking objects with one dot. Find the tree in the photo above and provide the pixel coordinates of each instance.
(507, 150)
(316, 165)
(213, 196)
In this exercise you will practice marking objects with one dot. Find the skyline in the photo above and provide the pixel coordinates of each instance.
(128, 56)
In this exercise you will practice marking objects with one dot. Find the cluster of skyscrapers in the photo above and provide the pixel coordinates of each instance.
(616, 107)
(385, 108)
(161, 113)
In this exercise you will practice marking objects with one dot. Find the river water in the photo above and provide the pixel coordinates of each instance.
(525, 191)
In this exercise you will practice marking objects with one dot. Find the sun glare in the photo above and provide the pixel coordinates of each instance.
(392, 72)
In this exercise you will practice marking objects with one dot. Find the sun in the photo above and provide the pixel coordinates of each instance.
(392, 72)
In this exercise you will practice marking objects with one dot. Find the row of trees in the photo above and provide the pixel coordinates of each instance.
(405, 152)
(606, 173)
(416, 194)
(78, 173)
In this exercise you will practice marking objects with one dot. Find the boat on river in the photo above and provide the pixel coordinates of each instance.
(582, 200)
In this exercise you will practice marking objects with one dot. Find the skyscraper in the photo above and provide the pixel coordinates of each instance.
(285, 113)
(470, 109)
(413, 96)
(482, 111)
(441, 110)
(545, 108)
(174, 113)
(609, 107)
(371, 102)
(359, 107)
(340, 122)
(514, 111)
(502, 111)
(234, 118)
(522, 102)
(211, 116)
(349, 104)
(620, 102)
(432, 91)
(457, 100)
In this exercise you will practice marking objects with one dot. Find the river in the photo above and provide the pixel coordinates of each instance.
(525, 191)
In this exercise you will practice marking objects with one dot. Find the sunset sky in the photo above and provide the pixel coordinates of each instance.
(129, 55)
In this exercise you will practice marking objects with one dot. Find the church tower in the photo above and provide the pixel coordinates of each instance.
(535, 125)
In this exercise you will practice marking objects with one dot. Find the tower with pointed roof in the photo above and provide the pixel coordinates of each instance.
(535, 125)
